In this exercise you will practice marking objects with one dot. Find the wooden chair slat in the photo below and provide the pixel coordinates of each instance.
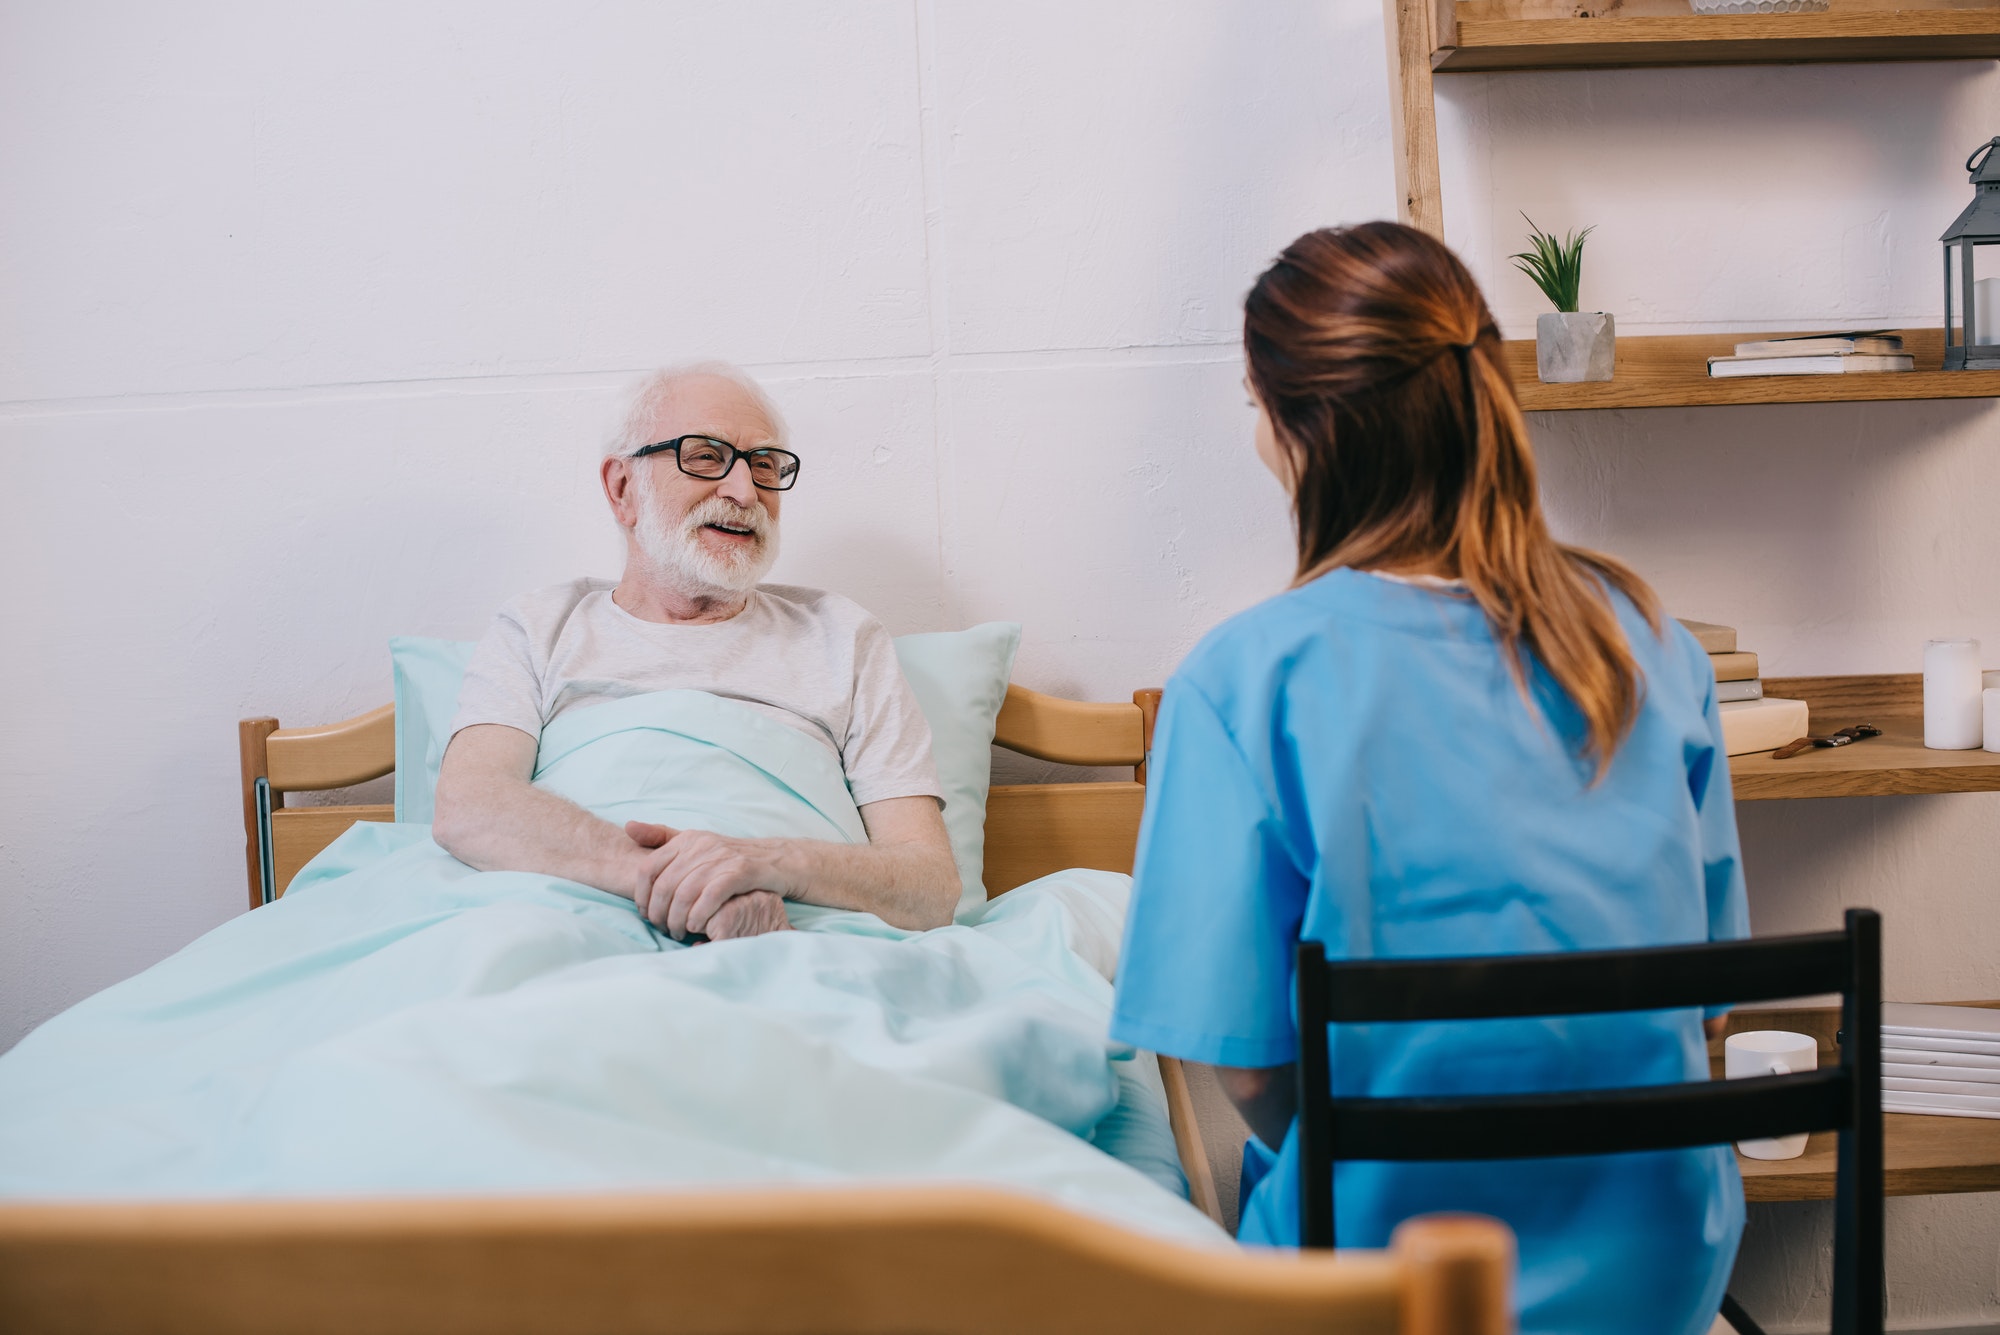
(1561, 1123)
(1585, 982)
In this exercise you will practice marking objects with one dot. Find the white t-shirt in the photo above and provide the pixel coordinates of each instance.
(813, 661)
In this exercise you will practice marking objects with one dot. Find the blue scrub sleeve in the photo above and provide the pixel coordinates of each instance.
(1206, 969)
(1721, 850)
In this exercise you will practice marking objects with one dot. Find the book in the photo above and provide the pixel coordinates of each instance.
(1728, 692)
(1876, 341)
(1979, 1023)
(1955, 1061)
(1956, 1049)
(1761, 725)
(1984, 1079)
(1893, 1103)
(1734, 667)
(1833, 363)
(1964, 1105)
(1962, 1088)
(1712, 638)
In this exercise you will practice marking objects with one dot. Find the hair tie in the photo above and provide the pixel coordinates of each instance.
(1464, 351)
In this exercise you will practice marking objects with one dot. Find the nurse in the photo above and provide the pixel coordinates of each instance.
(1452, 735)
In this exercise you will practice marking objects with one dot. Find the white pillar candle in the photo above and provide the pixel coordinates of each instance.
(1986, 310)
(1952, 689)
(1992, 712)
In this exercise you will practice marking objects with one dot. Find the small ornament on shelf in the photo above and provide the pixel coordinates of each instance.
(1972, 244)
(1570, 346)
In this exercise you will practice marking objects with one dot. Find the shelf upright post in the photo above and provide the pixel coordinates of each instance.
(1416, 29)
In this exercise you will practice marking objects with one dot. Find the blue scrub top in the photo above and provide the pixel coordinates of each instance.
(1353, 762)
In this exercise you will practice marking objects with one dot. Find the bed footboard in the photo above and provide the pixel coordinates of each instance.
(945, 1261)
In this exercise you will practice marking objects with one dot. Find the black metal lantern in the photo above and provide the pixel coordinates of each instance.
(1972, 335)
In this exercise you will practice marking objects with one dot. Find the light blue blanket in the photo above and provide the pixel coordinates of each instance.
(399, 1023)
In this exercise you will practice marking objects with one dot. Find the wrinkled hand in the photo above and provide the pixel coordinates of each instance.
(691, 875)
(753, 914)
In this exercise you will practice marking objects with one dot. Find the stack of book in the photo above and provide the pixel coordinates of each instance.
(1943, 1061)
(1817, 354)
(1751, 721)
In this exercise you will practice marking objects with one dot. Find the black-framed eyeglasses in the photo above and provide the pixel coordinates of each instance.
(705, 457)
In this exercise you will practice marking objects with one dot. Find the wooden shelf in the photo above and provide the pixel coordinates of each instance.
(1671, 371)
(1531, 35)
(1922, 1156)
(1886, 766)
(1895, 763)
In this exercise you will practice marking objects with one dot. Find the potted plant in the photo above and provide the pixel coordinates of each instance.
(1569, 346)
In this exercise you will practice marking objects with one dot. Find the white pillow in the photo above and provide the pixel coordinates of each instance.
(427, 674)
(960, 680)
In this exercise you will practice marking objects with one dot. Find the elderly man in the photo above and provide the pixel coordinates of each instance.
(695, 479)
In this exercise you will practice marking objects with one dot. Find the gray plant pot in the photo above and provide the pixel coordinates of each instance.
(1574, 345)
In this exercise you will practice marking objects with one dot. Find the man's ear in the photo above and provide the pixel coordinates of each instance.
(619, 489)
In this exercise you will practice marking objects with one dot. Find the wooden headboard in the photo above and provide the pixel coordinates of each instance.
(1031, 829)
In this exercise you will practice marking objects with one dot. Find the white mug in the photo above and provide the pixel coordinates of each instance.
(1770, 1052)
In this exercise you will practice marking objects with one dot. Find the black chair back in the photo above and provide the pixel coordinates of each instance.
(1846, 1098)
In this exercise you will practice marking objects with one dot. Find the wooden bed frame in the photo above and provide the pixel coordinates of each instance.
(1031, 829)
(871, 1261)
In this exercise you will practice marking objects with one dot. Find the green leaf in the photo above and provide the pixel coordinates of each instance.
(1556, 267)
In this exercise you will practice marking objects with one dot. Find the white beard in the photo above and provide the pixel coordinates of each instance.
(675, 551)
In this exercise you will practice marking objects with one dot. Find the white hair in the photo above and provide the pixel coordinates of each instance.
(650, 397)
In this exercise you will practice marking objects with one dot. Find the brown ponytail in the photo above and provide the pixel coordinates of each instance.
(1375, 355)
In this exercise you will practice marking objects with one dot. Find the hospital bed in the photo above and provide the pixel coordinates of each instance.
(848, 1259)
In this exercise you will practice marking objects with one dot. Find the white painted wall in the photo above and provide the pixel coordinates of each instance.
(312, 317)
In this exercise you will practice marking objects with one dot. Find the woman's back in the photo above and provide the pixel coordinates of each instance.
(1454, 736)
(1400, 795)
(1480, 818)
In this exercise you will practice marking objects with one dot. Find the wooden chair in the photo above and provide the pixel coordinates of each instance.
(1611, 1121)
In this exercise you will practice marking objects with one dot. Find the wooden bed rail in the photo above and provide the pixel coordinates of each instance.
(335, 755)
(852, 1261)
(1032, 829)
(1071, 732)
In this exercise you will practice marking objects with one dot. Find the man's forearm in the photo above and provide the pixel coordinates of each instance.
(512, 826)
(906, 885)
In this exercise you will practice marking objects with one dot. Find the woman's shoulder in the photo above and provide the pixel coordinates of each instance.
(1317, 626)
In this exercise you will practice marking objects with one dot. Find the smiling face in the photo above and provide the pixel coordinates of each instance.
(698, 538)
